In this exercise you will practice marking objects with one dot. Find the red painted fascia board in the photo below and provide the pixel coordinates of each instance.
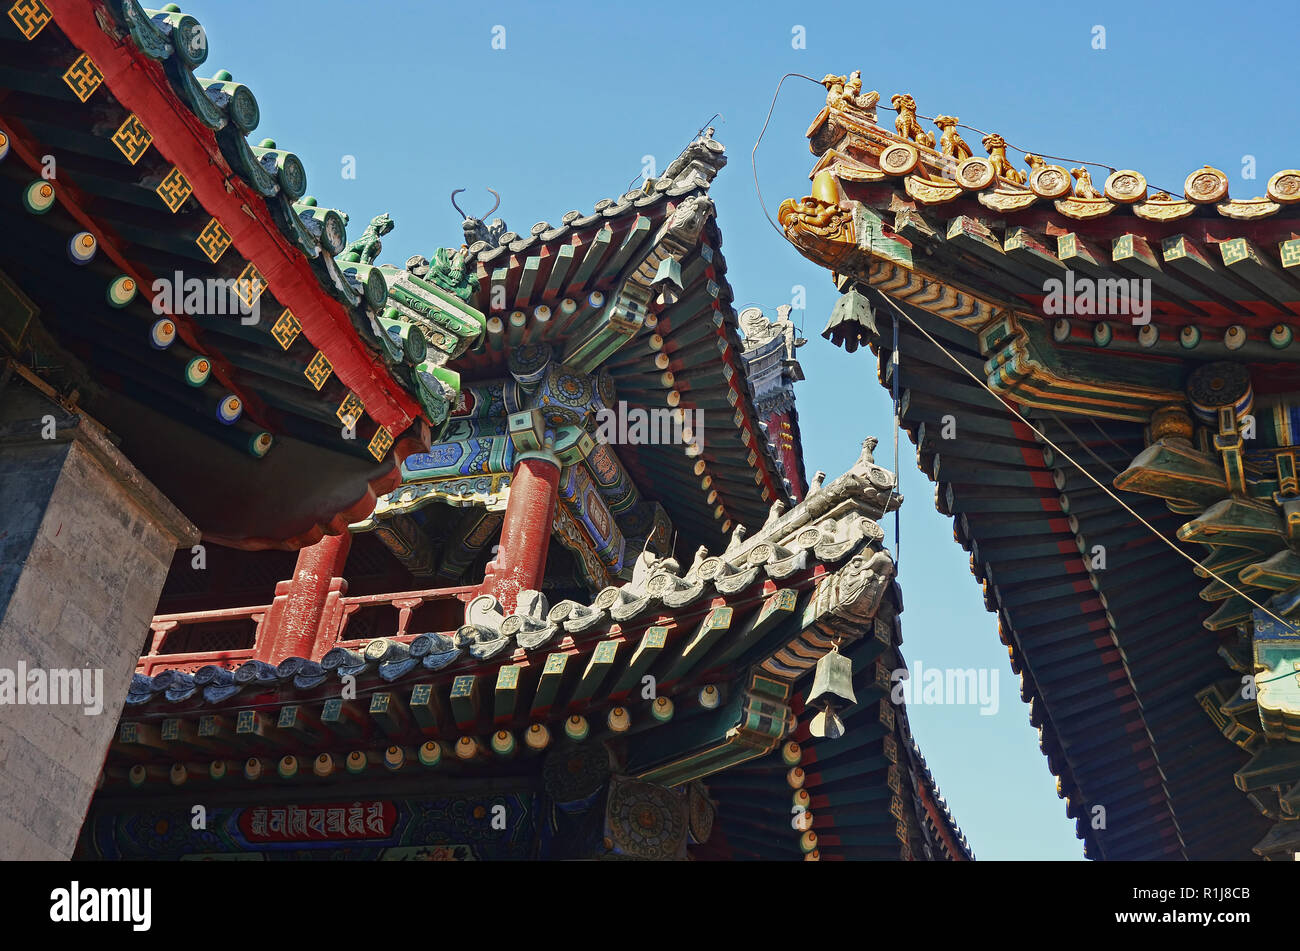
(141, 86)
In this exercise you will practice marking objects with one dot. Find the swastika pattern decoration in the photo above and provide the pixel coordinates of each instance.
(1291, 253)
(286, 329)
(381, 443)
(213, 240)
(319, 370)
(350, 410)
(250, 285)
(132, 138)
(30, 16)
(83, 77)
(174, 189)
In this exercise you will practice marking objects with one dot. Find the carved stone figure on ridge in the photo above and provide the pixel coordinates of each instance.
(759, 329)
(950, 142)
(365, 249)
(1083, 187)
(689, 217)
(996, 146)
(702, 159)
(906, 123)
(475, 229)
(834, 88)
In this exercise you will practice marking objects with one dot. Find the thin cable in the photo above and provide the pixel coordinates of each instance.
(898, 475)
(753, 155)
(1066, 456)
(1016, 148)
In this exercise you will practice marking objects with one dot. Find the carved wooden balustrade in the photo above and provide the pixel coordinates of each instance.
(230, 636)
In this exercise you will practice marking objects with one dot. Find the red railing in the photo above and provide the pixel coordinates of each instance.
(361, 619)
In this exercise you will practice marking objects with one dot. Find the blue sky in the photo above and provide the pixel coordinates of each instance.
(564, 115)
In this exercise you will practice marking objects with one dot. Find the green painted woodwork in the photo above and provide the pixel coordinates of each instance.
(385, 713)
(596, 249)
(1173, 469)
(638, 665)
(597, 671)
(710, 629)
(564, 259)
(870, 226)
(779, 608)
(506, 694)
(465, 701)
(426, 707)
(550, 682)
(343, 718)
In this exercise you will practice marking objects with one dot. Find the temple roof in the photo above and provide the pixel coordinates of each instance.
(690, 356)
(631, 303)
(1224, 272)
(1111, 661)
(730, 642)
(787, 549)
(968, 259)
(134, 173)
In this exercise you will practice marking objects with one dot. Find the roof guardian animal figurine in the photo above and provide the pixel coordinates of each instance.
(906, 124)
(365, 249)
(996, 146)
(475, 229)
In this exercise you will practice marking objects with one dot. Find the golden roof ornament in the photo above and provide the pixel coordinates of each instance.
(1048, 181)
(950, 141)
(1284, 187)
(1206, 186)
(820, 212)
(845, 92)
(996, 146)
(1126, 186)
(1083, 187)
(906, 123)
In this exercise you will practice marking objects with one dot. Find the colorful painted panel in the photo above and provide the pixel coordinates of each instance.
(473, 447)
(579, 494)
(612, 479)
(495, 398)
(481, 827)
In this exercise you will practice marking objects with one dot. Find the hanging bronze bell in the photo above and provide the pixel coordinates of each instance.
(832, 690)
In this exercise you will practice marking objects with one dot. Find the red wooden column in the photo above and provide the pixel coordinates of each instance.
(526, 531)
(293, 626)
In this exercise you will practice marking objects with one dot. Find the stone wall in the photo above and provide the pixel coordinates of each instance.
(85, 546)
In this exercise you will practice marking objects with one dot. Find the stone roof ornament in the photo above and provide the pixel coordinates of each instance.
(699, 162)
(759, 329)
(475, 229)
